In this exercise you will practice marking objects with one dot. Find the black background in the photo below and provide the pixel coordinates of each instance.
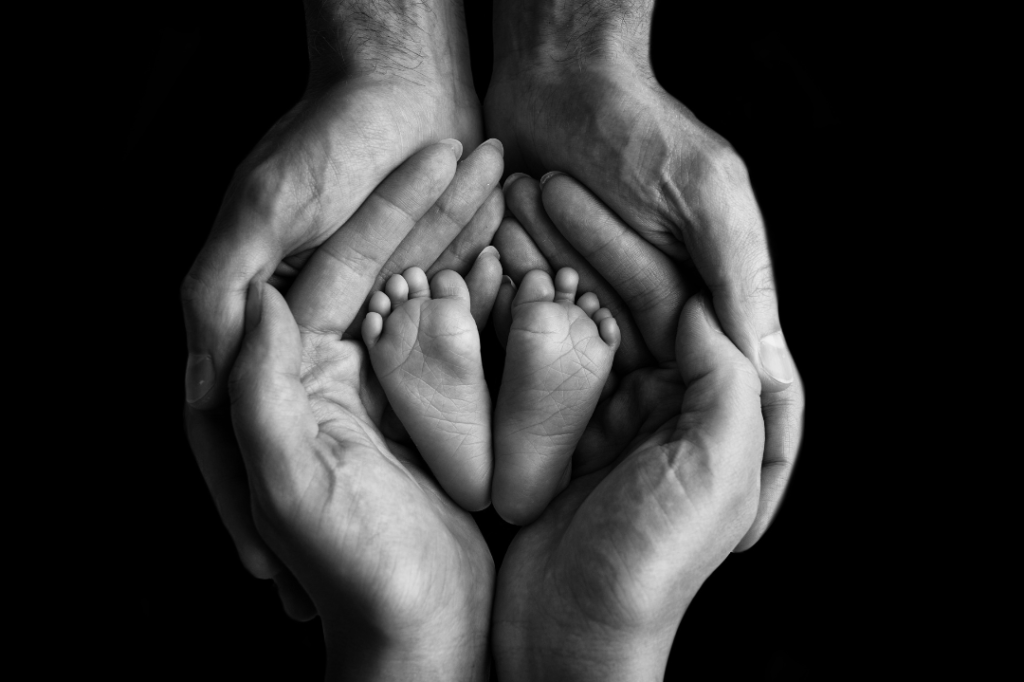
(785, 88)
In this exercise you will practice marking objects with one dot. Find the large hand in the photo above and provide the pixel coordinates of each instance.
(664, 482)
(399, 573)
(378, 92)
(572, 90)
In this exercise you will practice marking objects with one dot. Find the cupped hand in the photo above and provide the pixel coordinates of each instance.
(572, 90)
(398, 572)
(664, 482)
(304, 180)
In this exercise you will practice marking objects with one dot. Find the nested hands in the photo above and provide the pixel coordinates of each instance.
(664, 482)
(398, 572)
(572, 90)
(628, 433)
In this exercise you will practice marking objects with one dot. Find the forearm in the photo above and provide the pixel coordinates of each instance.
(567, 31)
(411, 38)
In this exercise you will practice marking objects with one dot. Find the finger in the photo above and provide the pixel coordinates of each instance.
(783, 424)
(294, 598)
(334, 283)
(467, 203)
(483, 281)
(519, 254)
(213, 300)
(523, 198)
(721, 411)
(726, 237)
(273, 421)
(649, 282)
(690, 495)
(478, 233)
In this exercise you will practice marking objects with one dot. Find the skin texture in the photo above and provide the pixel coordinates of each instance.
(385, 82)
(558, 356)
(664, 485)
(399, 574)
(424, 344)
(572, 91)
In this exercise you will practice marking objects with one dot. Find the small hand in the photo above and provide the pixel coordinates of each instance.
(399, 574)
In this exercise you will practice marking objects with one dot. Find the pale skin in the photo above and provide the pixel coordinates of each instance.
(664, 480)
(385, 82)
(572, 90)
(559, 351)
(593, 590)
(425, 349)
(388, 78)
(360, 119)
(397, 571)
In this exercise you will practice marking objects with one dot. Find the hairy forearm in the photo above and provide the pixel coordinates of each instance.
(425, 38)
(567, 30)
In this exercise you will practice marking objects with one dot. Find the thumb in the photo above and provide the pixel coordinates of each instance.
(213, 296)
(270, 410)
(721, 412)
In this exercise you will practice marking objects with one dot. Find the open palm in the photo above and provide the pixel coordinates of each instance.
(391, 563)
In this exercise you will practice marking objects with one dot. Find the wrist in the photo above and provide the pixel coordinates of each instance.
(579, 655)
(419, 41)
(568, 34)
(426, 642)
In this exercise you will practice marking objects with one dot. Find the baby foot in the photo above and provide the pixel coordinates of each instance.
(558, 357)
(425, 349)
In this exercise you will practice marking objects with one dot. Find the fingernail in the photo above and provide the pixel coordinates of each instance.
(198, 377)
(455, 146)
(489, 251)
(775, 358)
(508, 280)
(496, 143)
(253, 305)
(547, 176)
(512, 178)
(709, 313)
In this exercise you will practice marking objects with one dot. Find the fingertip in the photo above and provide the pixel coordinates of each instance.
(776, 362)
(489, 251)
(259, 561)
(454, 145)
(253, 305)
(708, 308)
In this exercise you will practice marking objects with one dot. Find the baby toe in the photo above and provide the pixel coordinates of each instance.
(397, 289)
(589, 303)
(608, 328)
(536, 287)
(449, 284)
(380, 303)
(566, 282)
(419, 287)
(373, 325)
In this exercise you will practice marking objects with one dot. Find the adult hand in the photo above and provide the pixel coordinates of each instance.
(398, 572)
(664, 482)
(572, 90)
(385, 81)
